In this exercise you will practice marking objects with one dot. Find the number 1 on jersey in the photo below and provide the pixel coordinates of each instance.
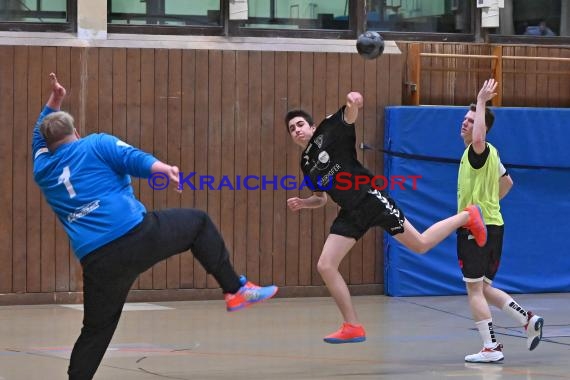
(64, 178)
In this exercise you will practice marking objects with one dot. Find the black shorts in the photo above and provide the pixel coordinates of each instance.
(376, 209)
(480, 263)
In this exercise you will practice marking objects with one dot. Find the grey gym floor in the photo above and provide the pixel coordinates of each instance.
(408, 338)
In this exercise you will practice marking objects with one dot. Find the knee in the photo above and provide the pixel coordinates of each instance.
(201, 215)
(325, 266)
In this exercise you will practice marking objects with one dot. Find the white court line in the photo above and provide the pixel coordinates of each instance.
(134, 306)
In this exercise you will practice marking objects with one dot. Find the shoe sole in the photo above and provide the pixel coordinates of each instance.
(487, 362)
(484, 226)
(247, 304)
(537, 327)
(340, 341)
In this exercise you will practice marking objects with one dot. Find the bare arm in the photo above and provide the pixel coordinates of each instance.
(171, 171)
(354, 102)
(505, 185)
(314, 201)
(54, 102)
(57, 93)
(486, 93)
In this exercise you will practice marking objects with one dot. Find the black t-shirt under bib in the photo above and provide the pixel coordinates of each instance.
(329, 162)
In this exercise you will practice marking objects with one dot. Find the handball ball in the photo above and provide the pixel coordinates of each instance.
(370, 45)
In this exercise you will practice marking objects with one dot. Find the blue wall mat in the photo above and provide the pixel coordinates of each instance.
(536, 257)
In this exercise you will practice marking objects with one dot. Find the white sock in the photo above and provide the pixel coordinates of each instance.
(515, 311)
(487, 333)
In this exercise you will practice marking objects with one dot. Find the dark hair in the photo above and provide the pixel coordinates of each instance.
(489, 116)
(296, 113)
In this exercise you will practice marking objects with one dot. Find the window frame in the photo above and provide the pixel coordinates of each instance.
(356, 25)
(70, 26)
(231, 28)
(214, 30)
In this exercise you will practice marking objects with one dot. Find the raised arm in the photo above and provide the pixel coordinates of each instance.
(53, 104)
(354, 102)
(57, 93)
(486, 93)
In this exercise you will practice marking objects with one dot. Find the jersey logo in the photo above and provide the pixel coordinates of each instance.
(83, 210)
(319, 141)
(324, 157)
(123, 144)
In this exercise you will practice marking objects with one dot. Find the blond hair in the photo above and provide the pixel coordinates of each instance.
(56, 126)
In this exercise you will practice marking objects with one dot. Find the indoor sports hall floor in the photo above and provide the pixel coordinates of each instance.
(408, 338)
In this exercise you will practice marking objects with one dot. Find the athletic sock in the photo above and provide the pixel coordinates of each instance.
(515, 311)
(487, 333)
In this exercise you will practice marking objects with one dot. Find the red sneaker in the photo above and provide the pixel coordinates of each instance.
(248, 294)
(476, 225)
(347, 333)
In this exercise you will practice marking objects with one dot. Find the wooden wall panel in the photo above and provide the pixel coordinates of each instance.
(280, 152)
(228, 137)
(173, 129)
(253, 164)
(266, 157)
(160, 143)
(215, 113)
(20, 169)
(293, 218)
(241, 141)
(188, 79)
(456, 81)
(35, 103)
(214, 140)
(6, 147)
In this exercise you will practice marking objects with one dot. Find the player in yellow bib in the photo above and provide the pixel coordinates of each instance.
(483, 180)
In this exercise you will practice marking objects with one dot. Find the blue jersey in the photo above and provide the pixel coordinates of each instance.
(87, 184)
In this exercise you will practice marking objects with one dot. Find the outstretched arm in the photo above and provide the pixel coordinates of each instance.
(318, 199)
(53, 104)
(57, 93)
(354, 102)
(486, 93)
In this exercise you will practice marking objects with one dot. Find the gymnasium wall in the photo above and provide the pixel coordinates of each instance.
(533, 145)
(213, 112)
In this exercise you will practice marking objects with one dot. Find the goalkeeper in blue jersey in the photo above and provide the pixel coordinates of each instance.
(86, 181)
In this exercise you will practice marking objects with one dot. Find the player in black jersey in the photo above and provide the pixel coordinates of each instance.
(329, 163)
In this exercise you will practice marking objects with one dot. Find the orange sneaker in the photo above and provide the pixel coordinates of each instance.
(248, 294)
(476, 225)
(347, 333)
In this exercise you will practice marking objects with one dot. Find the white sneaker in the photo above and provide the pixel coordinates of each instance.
(533, 330)
(487, 355)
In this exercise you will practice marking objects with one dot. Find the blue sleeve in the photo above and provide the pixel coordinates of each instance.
(38, 142)
(123, 158)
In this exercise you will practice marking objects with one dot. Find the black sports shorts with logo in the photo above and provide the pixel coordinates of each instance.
(480, 263)
(376, 209)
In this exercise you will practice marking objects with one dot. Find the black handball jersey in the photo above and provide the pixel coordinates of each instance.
(329, 162)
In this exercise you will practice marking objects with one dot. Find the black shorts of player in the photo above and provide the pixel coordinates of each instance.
(376, 209)
(480, 263)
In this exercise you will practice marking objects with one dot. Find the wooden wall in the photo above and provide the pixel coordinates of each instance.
(212, 112)
(456, 81)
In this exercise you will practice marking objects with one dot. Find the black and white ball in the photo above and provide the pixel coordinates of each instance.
(370, 45)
